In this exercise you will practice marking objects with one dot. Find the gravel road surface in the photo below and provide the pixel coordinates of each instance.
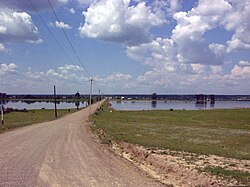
(62, 153)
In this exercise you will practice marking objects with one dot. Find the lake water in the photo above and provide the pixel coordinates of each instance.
(38, 105)
(176, 105)
(133, 105)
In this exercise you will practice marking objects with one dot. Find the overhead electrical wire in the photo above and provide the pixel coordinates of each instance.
(51, 33)
(70, 43)
(57, 42)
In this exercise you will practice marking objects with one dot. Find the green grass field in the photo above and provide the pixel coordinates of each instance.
(221, 132)
(244, 177)
(18, 119)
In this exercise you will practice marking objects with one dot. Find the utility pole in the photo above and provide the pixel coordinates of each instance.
(55, 101)
(2, 114)
(90, 95)
(99, 98)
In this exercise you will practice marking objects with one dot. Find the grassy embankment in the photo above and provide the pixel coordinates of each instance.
(18, 119)
(243, 177)
(221, 132)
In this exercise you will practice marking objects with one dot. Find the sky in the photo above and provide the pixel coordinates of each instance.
(126, 46)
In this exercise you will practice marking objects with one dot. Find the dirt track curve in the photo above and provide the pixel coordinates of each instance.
(62, 153)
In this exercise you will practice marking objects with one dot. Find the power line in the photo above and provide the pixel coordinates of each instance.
(65, 34)
(59, 45)
(90, 95)
(51, 33)
(56, 40)
(53, 36)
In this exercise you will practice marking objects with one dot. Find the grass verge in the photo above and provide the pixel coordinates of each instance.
(224, 132)
(244, 177)
(14, 120)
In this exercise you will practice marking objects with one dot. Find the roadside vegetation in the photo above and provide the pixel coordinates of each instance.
(15, 120)
(224, 132)
(242, 176)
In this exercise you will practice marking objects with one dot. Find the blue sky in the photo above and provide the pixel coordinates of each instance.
(127, 46)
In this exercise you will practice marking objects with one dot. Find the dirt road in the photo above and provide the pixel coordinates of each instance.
(62, 153)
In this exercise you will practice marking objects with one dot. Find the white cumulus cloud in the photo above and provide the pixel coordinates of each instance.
(63, 25)
(167, 7)
(70, 76)
(17, 27)
(8, 69)
(2, 48)
(119, 76)
(191, 27)
(238, 21)
(160, 54)
(67, 74)
(72, 11)
(241, 72)
(243, 63)
(3, 29)
(70, 67)
(117, 21)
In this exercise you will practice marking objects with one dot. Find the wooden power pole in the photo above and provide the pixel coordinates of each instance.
(2, 114)
(90, 95)
(55, 101)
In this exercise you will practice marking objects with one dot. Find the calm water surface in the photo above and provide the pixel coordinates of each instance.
(176, 105)
(134, 105)
(38, 105)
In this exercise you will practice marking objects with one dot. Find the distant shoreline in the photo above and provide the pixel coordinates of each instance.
(174, 100)
(127, 99)
(131, 97)
(43, 100)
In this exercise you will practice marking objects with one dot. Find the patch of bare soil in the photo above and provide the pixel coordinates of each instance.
(175, 168)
